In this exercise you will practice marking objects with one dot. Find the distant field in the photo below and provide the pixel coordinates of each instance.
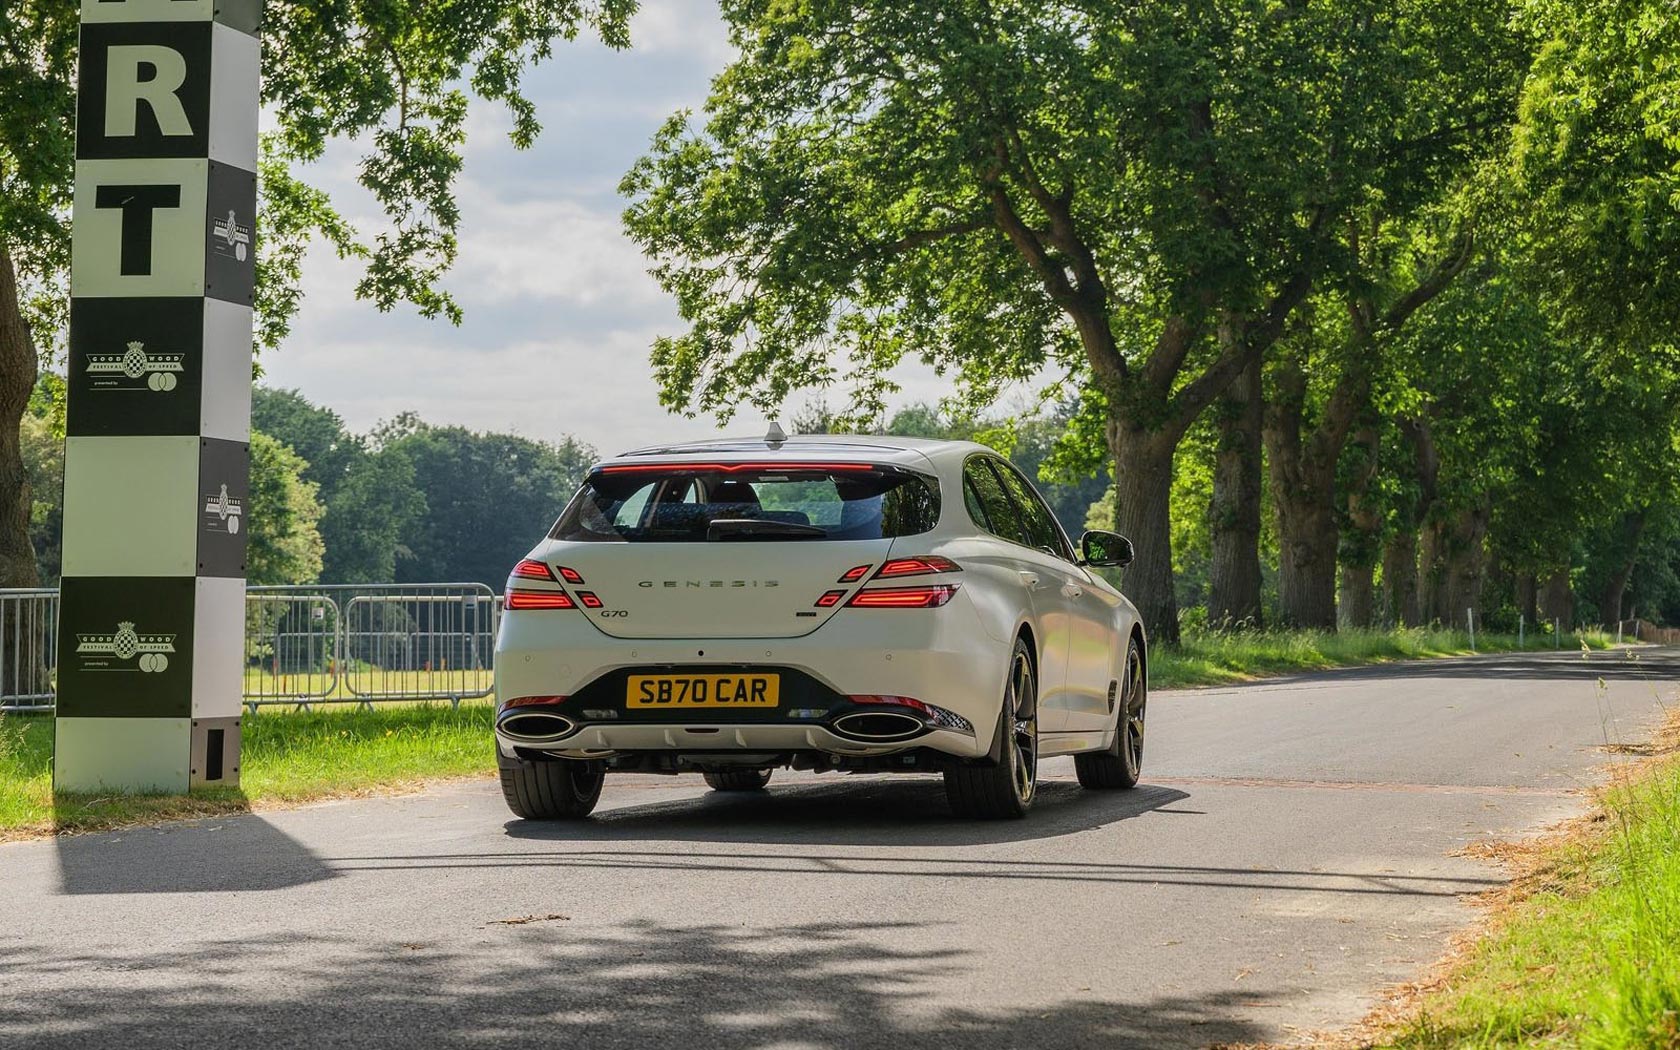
(360, 681)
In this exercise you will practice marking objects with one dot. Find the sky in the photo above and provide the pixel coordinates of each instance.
(560, 311)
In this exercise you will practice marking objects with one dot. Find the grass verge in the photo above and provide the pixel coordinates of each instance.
(1219, 657)
(288, 757)
(1583, 948)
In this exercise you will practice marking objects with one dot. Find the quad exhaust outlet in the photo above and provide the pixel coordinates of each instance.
(878, 725)
(536, 726)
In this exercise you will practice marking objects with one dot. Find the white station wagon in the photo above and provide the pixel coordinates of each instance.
(841, 603)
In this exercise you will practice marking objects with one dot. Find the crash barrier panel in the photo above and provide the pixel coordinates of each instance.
(363, 643)
(28, 649)
(351, 643)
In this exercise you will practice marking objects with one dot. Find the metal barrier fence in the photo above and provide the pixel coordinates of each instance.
(352, 643)
(28, 649)
(358, 643)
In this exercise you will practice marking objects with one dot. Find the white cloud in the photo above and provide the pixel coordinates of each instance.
(560, 312)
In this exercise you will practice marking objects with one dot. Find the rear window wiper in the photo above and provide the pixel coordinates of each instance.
(762, 529)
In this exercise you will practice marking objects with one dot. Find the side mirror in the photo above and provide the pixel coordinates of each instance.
(1106, 549)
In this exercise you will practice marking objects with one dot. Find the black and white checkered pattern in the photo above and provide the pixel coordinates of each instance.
(157, 456)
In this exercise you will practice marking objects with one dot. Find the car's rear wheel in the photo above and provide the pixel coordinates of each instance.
(1122, 764)
(554, 789)
(738, 780)
(1006, 789)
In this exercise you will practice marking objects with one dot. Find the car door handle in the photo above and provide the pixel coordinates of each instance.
(1030, 579)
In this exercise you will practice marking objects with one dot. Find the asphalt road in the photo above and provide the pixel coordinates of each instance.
(1291, 852)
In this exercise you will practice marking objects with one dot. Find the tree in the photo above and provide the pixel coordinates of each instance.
(370, 518)
(488, 497)
(393, 75)
(1139, 194)
(283, 543)
(371, 498)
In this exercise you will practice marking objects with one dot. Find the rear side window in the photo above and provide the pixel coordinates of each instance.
(997, 513)
(1039, 522)
(651, 505)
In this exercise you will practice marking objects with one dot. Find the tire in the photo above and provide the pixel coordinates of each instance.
(1122, 764)
(555, 789)
(738, 780)
(1005, 790)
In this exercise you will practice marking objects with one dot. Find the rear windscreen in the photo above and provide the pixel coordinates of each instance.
(687, 506)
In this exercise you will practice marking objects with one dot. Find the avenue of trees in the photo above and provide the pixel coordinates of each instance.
(1348, 312)
(1367, 305)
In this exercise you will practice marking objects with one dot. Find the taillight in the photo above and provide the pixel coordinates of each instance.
(897, 701)
(533, 701)
(533, 570)
(589, 600)
(830, 599)
(904, 597)
(916, 566)
(854, 575)
(569, 575)
(539, 600)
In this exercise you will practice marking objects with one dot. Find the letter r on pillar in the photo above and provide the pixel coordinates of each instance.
(126, 89)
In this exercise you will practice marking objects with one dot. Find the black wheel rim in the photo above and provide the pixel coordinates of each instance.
(1023, 738)
(586, 778)
(1132, 712)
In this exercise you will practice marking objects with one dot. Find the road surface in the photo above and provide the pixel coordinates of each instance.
(1291, 852)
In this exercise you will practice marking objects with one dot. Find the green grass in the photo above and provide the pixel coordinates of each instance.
(1588, 954)
(292, 756)
(1216, 657)
(287, 757)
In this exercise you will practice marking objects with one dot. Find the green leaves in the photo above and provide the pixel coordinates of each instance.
(392, 75)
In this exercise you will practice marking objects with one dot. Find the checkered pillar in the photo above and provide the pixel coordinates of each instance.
(157, 460)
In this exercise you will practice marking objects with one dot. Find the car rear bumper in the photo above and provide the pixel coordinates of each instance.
(939, 657)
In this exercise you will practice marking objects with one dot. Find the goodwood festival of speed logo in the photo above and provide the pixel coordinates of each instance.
(123, 370)
(236, 239)
(127, 643)
(225, 510)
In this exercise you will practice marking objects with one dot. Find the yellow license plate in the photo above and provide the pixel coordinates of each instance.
(703, 690)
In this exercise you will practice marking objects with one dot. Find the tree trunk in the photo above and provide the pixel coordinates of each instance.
(18, 369)
(1465, 565)
(1610, 603)
(1400, 587)
(1303, 475)
(1356, 604)
(1528, 588)
(1143, 462)
(1558, 603)
(1361, 539)
(1306, 561)
(1234, 513)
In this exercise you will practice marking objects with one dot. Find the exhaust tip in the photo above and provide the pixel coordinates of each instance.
(536, 726)
(878, 725)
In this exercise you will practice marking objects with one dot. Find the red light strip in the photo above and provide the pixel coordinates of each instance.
(854, 575)
(904, 597)
(731, 468)
(535, 701)
(533, 570)
(916, 566)
(897, 701)
(569, 575)
(830, 599)
(589, 600)
(539, 600)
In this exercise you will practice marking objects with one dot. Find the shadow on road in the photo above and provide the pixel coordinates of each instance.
(557, 983)
(236, 854)
(1622, 665)
(850, 811)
